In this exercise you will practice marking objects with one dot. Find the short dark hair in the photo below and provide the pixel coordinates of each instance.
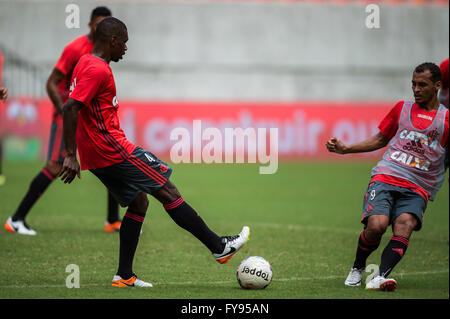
(100, 12)
(108, 27)
(436, 74)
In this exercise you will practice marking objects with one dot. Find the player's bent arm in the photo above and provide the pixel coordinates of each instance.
(52, 89)
(70, 120)
(371, 144)
(71, 167)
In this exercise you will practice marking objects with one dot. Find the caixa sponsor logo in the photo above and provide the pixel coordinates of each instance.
(258, 273)
(411, 160)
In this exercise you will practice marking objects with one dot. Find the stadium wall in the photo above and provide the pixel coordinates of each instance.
(219, 50)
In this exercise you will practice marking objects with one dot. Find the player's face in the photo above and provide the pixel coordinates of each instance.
(119, 47)
(423, 87)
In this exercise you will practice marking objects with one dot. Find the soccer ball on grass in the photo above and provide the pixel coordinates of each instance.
(254, 272)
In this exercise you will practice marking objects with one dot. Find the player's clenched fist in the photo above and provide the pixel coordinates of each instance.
(3, 93)
(335, 145)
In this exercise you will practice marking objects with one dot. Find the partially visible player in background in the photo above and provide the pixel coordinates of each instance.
(58, 89)
(443, 92)
(411, 173)
(3, 97)
(444, 99)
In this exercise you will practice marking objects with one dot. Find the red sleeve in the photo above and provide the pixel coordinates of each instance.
(67, 60)
(444, 141)
(86, 84)
(445, 75)
(389, 125)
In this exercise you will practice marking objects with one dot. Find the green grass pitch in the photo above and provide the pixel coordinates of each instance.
(304, 219)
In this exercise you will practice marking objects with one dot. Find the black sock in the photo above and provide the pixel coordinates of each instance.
(130, 229)
(113, 209)
(363, 251)
(392, 254)
(37, 187)
(187, 218)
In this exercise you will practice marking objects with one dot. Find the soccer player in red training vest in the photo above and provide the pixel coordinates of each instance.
(3, 97)
(410, 173)
(129, 172)
(58, 89)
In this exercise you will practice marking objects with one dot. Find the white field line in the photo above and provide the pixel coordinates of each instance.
(339, 230)
(294, 227)
(213, 283)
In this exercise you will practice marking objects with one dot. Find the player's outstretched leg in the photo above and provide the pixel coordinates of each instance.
(364, 249)
(368, 242)
(223, 248)
(2, 177)
(129, 238)
(394, 251)
(113, 221)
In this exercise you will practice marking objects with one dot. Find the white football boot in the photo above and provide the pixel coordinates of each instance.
(232, 245)
(354, 277)
(19, 227)
(381, 283)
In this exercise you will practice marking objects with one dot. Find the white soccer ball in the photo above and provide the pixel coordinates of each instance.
(254, 272)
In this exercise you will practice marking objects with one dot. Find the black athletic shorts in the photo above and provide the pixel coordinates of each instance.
(141, 172)
(392, 201)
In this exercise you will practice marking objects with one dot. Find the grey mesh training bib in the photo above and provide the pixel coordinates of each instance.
(416, 155)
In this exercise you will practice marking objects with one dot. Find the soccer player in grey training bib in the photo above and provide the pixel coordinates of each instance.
(410, 174)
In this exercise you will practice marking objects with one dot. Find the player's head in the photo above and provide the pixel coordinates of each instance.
(97, 15)
(426, 82)
(112, 35)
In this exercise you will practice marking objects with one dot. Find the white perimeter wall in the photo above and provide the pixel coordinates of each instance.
(244, 51)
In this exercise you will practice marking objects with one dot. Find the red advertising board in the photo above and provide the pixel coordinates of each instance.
(303, 127)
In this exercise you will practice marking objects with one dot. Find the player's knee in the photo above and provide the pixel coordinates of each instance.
(140, 203)
(167, 194)
(173, 192)
(377, 226)
(404, 225)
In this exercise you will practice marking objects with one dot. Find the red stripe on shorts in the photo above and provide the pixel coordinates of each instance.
(57, 143)
(158, 177)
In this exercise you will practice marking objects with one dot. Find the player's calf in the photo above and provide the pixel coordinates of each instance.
(187, 218)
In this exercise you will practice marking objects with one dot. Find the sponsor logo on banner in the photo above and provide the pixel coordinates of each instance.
(302, 127)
